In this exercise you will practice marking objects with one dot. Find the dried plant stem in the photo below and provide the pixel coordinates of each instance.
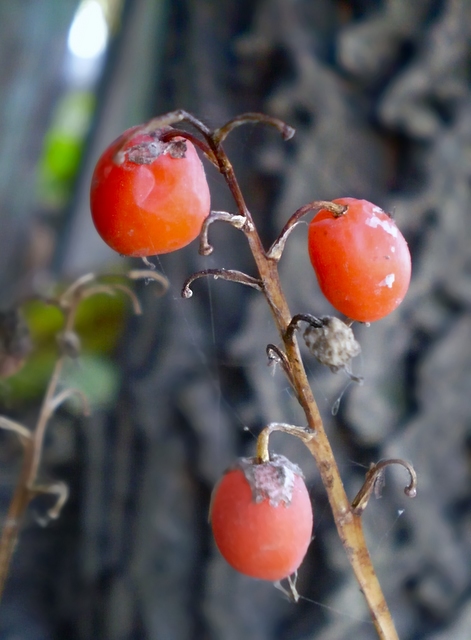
(33, 447)
(349, 524)
(24, 488)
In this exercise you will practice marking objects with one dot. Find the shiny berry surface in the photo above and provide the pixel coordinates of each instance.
(148, 197)
(361, 260)
(257, 537)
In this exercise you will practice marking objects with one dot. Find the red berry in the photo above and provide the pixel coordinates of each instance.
(148, 197)
(361, 260)
(261, 517)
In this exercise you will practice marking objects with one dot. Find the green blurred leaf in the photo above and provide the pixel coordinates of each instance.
(99, 324)
(62, 148)
(97, 378)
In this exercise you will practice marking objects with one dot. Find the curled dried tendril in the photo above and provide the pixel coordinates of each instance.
(374, 483)
(224, 274)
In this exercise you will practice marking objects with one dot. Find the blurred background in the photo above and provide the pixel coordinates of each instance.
(380, 94)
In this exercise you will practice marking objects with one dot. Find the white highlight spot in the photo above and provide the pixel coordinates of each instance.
(392, 249)
(388, 281)
(88, 33)
(387, 226)
(144, 183)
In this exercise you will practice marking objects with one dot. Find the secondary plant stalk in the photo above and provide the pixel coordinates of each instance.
(33, 441)
(24, 489)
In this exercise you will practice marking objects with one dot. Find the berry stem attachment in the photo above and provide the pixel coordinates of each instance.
(202, 146)
(239, 222)
(374, 483)
(302, 433)
(276, 250)
(293, 326)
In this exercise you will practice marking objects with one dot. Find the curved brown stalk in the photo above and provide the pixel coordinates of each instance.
(224, 274)
(349, 524)
(24, 491)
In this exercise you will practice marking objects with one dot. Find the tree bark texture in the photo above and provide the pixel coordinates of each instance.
(379, 94)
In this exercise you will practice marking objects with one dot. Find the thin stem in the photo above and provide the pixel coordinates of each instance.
(293, 326)
(33, 446)
(202, 146)
(286, 131)
(263, 453)
(58, 489)
(23, 492)
(66, 394)
(18, 504)
(147, 274)
(277, 356)
(224, 274)
(349, 525)
(111, 289)
(10, 425)
(45, 411)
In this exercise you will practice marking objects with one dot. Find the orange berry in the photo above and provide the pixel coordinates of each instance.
(261, 517)
(361, 260)
(149, 197)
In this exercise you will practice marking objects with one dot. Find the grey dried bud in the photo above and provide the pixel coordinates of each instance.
(151, 147)
(145, 152)
(332, 343)
(176, 148)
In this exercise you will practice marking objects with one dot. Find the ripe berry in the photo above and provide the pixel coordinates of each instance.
(147, 196)
(261, 517)
(361, 260)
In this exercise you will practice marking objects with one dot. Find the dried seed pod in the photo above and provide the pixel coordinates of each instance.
(332, 343)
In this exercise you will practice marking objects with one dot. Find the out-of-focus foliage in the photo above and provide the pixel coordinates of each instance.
(62, 150)
(99, 324)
